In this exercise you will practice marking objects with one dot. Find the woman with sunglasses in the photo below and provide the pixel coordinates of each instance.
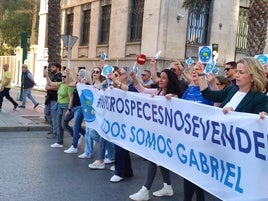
(64, 93)
(122, 165)
(99, 82)
(168, 87)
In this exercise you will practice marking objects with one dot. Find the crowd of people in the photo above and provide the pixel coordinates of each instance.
(243, 88)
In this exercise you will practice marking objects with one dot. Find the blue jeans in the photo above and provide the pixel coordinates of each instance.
(77, 126)
(60, 124)
(27, 93)
(51, 115)
(103, 145)
(77, 115)
(89, 142)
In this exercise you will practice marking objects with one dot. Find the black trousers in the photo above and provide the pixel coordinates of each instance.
(189, 190)
(5, 93)
(122, 164)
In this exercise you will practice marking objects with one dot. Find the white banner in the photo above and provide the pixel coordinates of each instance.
(224, 154)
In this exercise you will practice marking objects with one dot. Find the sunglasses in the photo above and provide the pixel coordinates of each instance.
(218, 84)
(227, 69)
(116, 75)
(63, 76)
(95, 72)
(143, 75)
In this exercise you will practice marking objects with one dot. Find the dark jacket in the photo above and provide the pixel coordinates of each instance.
(251, 103)
(27, 80)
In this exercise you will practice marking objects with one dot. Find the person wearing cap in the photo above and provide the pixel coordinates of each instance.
(6, 85)
(27, 85)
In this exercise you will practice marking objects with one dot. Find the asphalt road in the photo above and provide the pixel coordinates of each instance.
(32, 171)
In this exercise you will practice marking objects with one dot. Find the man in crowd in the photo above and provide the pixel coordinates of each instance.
(5, 87)
(27, 85)
(146, 78)
(230, 71)
(51, 99)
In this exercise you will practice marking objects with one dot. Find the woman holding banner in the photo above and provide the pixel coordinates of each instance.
(193, 93)
(247, 97)
(122, 163)
(101, 83)
(168, 87)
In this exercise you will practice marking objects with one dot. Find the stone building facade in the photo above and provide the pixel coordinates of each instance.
(124, 29)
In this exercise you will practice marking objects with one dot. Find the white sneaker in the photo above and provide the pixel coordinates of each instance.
(142, 194)
(108, 161)
(71, 150)
(97, 165)
(116, 179)
(84, 155)
(165, 191)
(56, 145)
(112, 168)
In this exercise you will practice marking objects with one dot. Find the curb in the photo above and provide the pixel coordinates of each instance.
(25, 128)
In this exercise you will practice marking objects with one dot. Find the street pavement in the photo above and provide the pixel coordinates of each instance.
(32, 171)
(27, 119)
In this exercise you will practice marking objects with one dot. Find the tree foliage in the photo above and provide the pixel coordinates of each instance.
(15, 17)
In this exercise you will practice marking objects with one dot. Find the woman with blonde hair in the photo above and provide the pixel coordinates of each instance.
(248, 96)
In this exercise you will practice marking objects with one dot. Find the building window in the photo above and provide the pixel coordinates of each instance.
(69, 24)
(135, 20)
(85, 27)
(105, 24)
(242, 30)
(198, 22)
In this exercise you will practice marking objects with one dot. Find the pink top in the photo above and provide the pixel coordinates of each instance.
(153, 91)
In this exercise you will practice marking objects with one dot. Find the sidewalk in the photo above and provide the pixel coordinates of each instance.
(27, 119)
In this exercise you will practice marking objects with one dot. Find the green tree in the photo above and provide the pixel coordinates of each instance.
(54, 31)
(15, 17)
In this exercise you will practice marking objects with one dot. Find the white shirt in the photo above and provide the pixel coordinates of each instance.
(236, 99)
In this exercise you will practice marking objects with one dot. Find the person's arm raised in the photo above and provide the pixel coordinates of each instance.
(199, 68)
(154, 71)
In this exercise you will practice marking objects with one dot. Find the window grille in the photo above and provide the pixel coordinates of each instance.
(198, 22)
(136, 19)
(69, 24)
(105, 24)
(242, 30)
(85, 27)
